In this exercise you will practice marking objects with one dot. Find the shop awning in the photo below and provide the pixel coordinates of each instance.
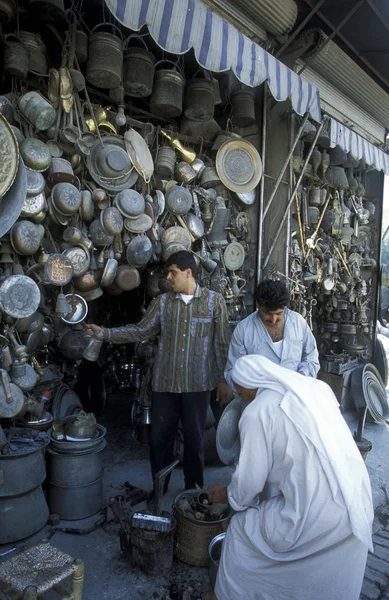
(350, 141)
(179, 25)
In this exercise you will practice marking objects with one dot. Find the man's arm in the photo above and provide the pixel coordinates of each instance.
(309, 364)
(235, 351)
(147, 328)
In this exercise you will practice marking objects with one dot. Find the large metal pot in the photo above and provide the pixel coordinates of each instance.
(105, 61)
(200, 99)
(15, 57)
(138, 69)
(166, 99)
(22, 472)
(25, 515)
(71, 470)
(78, 502)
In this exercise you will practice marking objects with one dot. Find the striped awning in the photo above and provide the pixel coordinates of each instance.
(179, 25)
(342, 136)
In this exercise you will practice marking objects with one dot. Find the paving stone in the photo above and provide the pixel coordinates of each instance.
(378, 578)
(381, 552)
(379, 539)
(378, 564)
(371, 590)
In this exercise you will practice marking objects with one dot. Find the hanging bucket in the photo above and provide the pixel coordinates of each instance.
(16, 57)
(200, 98)
(165, 162)
(37, 52)
(81, 46)
(243, 108)
(105, 62)
(138, 69)
(166, 99)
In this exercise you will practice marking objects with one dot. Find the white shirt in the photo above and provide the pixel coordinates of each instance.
(186, 298)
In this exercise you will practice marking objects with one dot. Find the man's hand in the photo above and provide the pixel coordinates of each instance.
(224, 394)
(91, 328)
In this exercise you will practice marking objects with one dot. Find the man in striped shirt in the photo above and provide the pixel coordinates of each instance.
(194, 335)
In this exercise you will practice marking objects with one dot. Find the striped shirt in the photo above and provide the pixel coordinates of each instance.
(193, 340)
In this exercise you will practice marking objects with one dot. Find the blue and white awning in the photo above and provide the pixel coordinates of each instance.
(179, 25)
(342, 136)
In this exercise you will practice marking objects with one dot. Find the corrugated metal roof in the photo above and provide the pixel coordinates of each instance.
(342, 108)
(341, 71)
(276, 16)
(238, 17)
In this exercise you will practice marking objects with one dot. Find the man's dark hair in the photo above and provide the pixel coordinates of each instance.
(183, 260)
(272, 295)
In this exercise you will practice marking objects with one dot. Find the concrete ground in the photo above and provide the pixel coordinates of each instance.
(109, 574)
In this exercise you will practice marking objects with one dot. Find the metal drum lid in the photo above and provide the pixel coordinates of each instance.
(36, 154)
(66, 198)
(239, 165)
(110, 165)
(111, 220)
(11, 204)
(58, 269)
(98, 235)
(79, 258)
(35, 183)
(178, 200)
(139, 251)
(227, 433)
(177, 234)
(375, 394)
(33, 205)
(139, 225)
(127, 278)
(381, 361)
(26, 238)
(130, 203)
(19, 296)
(234, 256)
(171, 248)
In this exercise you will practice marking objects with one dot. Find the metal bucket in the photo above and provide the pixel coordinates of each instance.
(193, 537)
(16, 58)
(166, 99)
(70, 470)
(165, 162)
(78, 502)
(37, 110)
(138, 69)
(105, 58)
(199, 99)
(153, 550)
(81, 46)
(36, 50)
(22, 516)
(215, 551)
(243, 108)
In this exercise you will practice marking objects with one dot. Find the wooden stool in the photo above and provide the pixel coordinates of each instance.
(33, 572)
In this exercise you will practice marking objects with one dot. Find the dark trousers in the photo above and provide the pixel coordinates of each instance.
(167, 410)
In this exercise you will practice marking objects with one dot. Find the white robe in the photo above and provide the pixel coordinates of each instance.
(299, 544)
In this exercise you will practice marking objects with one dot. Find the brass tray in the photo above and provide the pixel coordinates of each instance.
(239, 165)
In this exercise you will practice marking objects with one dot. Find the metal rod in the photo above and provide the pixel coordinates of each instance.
(292, 195)
(273, 179)
(284, 166)
(292, 120)
(333, 34)
(262, 184)
(300, 27)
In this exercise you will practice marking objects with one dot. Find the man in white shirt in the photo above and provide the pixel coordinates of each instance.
(274, 331)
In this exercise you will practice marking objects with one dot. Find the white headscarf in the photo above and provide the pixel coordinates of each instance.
(312, 407)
